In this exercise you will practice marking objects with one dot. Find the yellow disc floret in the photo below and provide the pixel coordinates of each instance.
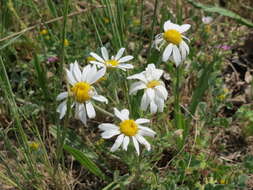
(81, 91)
(112, 63)
(153, 84)
(172, 36)
(128, 127)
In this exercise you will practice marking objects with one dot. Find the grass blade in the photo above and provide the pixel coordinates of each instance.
(85, 161)
(202, 87)
(42, 79)
(223, 12)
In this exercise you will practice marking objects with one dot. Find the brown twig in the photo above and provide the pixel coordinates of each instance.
(47, 22)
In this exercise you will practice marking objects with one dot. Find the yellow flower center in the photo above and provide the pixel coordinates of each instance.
(112, 63)
(172, 36)
(34, 145)
(81, 91)
(128, 127)
(153, 84)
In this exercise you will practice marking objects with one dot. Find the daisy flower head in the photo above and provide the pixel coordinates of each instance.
(81, 91)
(126, 130)
(116, 61)
(155, 92)
(173, 37)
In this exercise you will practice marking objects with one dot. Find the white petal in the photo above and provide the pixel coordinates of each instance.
(98, 63)
(62, 108)
(120, 53)
(162, 92)
(107, 126)
(118, 142)
(125, 59)
(158, 40)
(85, 72)
(142, 120)
(139, 76)
(62, 96)
(136, 145)
(184, 28)
(100, 98)
(100, 73)
(143, 141)
(145, 131)
(160, 104)
(153, 107)
(125, 114)
(97, 57)
(150, 67)
(91, 74)
(70, 77)
(157, 74)
(185, 46)
(81, 113)
(167, 52)
(150, 94)
(104, 53)
(183, 51)
(136, 86)
(119, 114)
(77, 72)
(144, 102)
(125, 66)
(90, 110)
(125, 143)
(170, 26)
(176, 55)
(109, 134)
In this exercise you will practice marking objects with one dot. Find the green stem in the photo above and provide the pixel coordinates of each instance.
(152, 28)
(63, 52)
(103, 111)
(177, 99)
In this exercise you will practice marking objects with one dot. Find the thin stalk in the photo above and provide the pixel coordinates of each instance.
(177, 97)
(152, 29)
(96, 29)
(103, 111)
(63, 52)
(127, 91)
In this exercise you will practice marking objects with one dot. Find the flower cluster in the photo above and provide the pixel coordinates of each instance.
(82, 91)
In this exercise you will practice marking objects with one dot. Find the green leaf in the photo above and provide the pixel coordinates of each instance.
(85, 161)
(222, 11)
(202, 86)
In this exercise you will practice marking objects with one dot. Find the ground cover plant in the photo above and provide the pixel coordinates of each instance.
(126, 94)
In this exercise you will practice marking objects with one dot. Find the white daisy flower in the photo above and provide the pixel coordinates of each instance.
(207, 20)
(155, 92)
(127, 129)
(82, 91)
(173, 37)
(115, 61)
